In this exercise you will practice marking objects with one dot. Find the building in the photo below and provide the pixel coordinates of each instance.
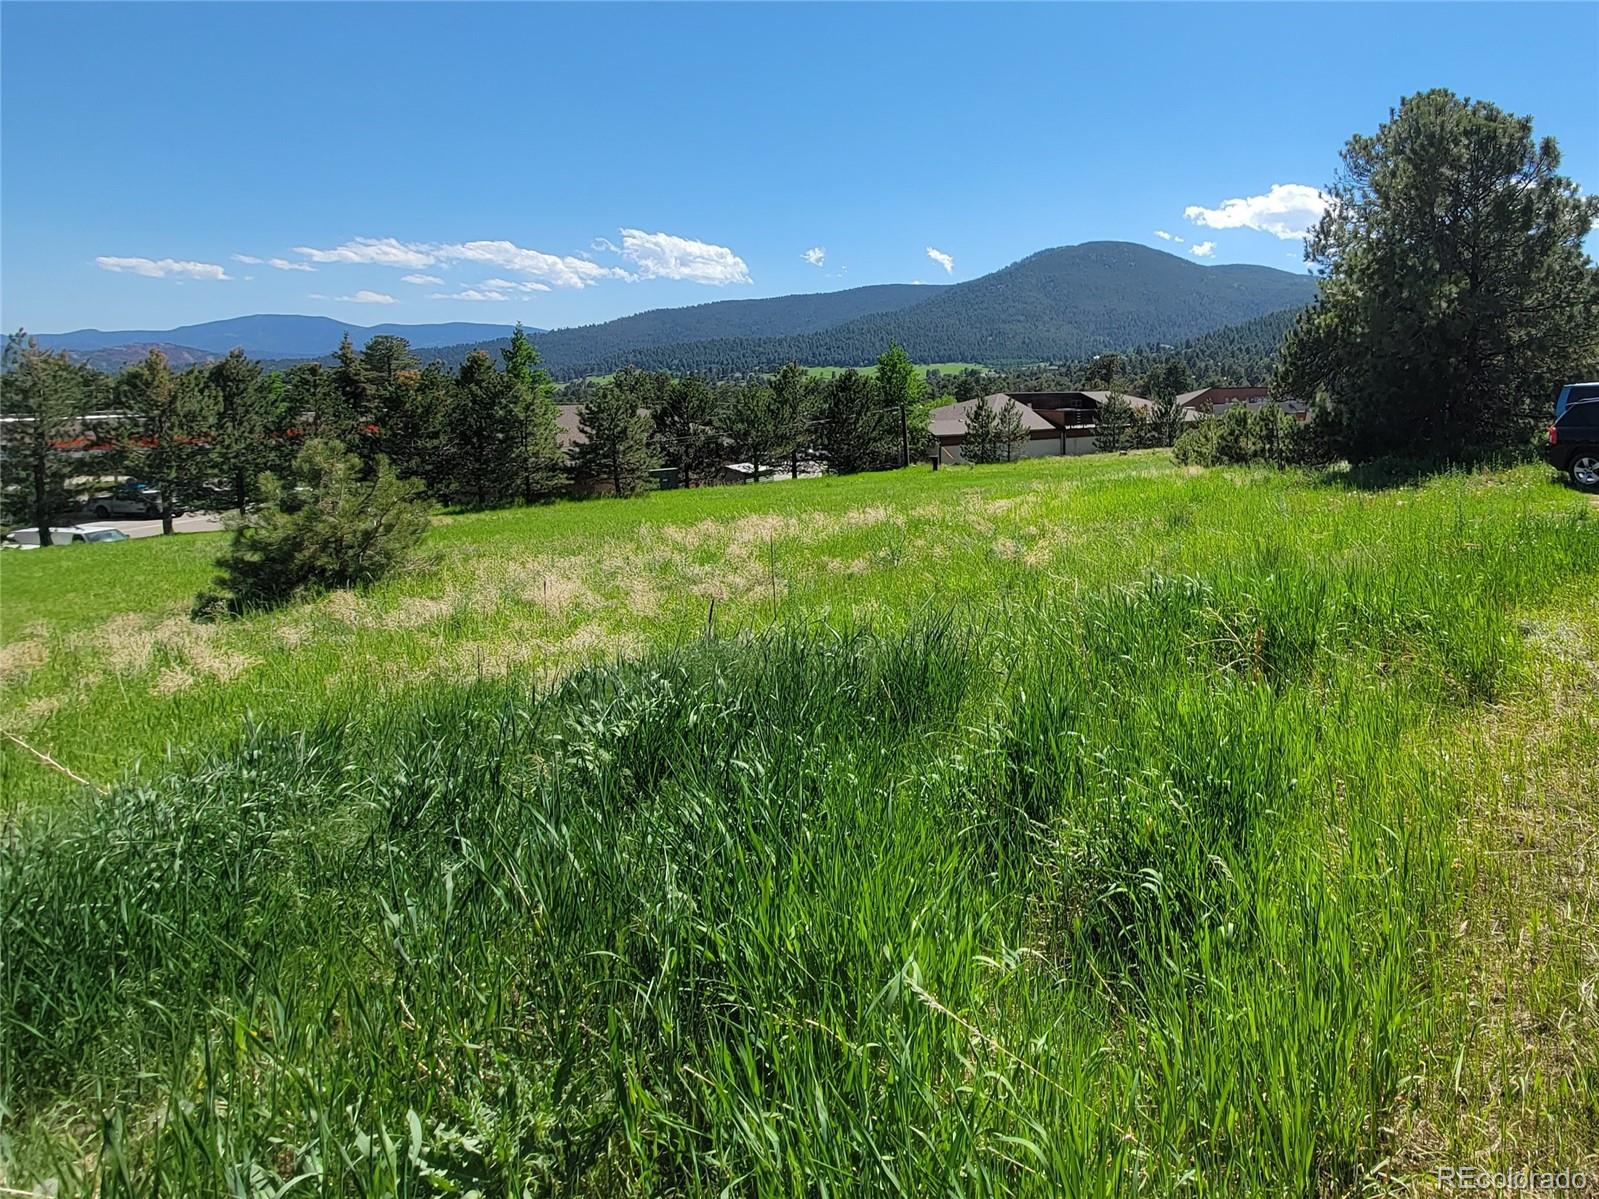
(1057, 422)
(1215, 401)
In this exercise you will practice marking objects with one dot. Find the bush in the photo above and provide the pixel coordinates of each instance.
(327, 527)
(1241, 437)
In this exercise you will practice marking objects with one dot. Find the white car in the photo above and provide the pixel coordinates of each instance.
(28, 539)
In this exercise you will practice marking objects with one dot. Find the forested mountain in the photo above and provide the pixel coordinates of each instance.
(1056, 305)
(270, 336)
(112, 359)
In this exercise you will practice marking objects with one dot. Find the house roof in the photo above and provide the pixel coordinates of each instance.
(950, 420)
(1214, 394)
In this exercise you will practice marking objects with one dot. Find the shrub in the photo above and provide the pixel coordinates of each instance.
(327, 527)
(1241, 437)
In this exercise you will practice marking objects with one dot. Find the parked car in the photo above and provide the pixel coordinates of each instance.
(1574, 443)
(131, 498)
(1574, 393)
(28, 539)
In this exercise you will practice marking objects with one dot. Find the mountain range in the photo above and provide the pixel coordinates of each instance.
(1058, 304)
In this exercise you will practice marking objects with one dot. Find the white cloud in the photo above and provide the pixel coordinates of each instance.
(419, 279)
(652, 255)
(366, 297)
(281, 264)
(1288, 210)
(556, 269)
(513, 285)
(159, 268)
(1203, 249)
(1163, 235)
(665, 256)
(470, 293)
(377, 251)
(944, 260)
(816, 256)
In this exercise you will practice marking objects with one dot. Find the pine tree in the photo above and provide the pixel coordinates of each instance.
(249, 426)
(982, 434)
(616, 446)
(336, 522)
(539, 460)
(1114, 424)
(45, 398)
(1456, 292)
(482, 433)
(348, 418)
(686, 431)
(174, 419)
(1010, 431)
(853, 430)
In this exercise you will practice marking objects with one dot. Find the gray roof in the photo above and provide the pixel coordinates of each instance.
(950, 420)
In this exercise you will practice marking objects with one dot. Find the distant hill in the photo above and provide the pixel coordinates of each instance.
(112, 359)
(271, 336)
(1056, 305)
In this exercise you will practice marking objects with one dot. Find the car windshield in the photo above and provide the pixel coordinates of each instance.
(105, 535)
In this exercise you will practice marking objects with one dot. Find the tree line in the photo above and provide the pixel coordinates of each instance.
(487, 433)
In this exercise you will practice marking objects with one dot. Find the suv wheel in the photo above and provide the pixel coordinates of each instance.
(102, 511)
(1585, 470)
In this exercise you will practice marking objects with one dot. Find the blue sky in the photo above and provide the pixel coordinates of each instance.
(562, 165)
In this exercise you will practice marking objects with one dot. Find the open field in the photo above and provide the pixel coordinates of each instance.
(941, 368)
(1071, 827)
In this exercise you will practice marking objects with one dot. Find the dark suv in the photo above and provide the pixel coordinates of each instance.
(1574, 443)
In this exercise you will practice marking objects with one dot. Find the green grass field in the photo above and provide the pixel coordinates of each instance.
(1071, 827)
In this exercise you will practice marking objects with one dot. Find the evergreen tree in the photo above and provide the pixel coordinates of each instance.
(852, 429)
(795, 401)
(759, 427)
(334, 523)
(686, 430)
(982, 434)
(249, 426)
(540, 461)
(310, 400)
(45, 398)
(348, 418)
(174, 420)
(1114, 425)
(482, 434)
(1010, 431)
(616, 446)
(1456, 293)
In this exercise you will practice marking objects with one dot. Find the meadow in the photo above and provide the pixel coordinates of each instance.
(1078, 826)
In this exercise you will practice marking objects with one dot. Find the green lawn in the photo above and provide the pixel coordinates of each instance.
(1078, 826)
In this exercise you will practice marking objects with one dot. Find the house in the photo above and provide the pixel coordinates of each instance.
(1217, 400)
(1057, 422)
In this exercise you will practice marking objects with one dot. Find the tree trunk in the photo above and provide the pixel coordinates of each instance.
(41, 495)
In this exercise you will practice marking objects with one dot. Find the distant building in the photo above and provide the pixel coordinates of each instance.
(1214, 401)
(1057, 422)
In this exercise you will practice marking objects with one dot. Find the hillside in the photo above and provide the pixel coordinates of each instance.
(270, 336)
(112, 359)
(1058, 304)
(747, 832)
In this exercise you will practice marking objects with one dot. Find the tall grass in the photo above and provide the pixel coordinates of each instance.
(1128, 888)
